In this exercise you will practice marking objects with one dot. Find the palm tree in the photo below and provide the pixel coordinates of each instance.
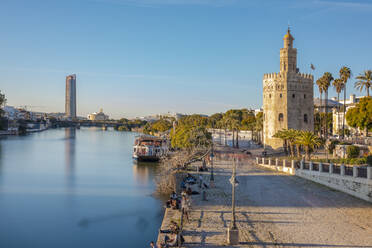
(291, 136)
(310, 141)
(365, 81)
(345, 74)
(297, 142)
(319, 82)
(338, 85)
(281, 134)
(326, 82)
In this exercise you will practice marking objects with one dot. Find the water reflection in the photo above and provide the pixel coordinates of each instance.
(1, 159)
(144, 172)
(70, 134)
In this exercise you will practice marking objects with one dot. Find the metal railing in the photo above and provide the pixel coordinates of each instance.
(362, 172)
(348, 171)
(354, 171)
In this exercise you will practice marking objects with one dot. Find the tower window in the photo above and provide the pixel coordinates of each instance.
(269, 95)
(293, 95)
(304, 95)
(281, 117)
(305, 118)
(280, 95)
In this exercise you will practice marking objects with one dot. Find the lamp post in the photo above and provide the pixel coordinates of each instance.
(232, 231)
(212, 175)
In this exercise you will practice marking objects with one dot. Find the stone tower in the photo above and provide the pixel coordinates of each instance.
(287, 97)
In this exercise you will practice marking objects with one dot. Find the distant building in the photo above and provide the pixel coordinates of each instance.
(70, 104)
(338, 116)
(352, 101)
(320, 105)
(256, 111)
(287, 97)
(100, 116)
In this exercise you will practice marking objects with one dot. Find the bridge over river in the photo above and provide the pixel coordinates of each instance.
(277, 210)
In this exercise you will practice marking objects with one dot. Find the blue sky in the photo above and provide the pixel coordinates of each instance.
(138, 57)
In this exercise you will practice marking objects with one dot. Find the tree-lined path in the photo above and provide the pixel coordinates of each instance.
(277, 210)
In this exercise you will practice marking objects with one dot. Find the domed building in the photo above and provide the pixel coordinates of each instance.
(100, 116)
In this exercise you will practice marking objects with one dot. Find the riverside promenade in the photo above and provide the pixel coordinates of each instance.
(273, 209)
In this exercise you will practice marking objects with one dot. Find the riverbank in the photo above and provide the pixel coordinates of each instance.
(272, 210)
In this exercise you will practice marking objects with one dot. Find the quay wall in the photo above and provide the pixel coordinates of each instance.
(348, 180)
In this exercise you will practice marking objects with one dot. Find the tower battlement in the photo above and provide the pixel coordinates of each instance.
(306, 76)
(273, 75)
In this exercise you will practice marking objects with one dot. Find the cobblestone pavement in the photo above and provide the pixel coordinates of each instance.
(276, 210)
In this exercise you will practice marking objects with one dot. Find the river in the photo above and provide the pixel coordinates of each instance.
(76, 188)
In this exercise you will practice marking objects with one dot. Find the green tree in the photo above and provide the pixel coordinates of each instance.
(364, 81)
(345, 74)
(2, 103)
(338, 86)
(319, 83)
(213, 120)
(191, 132)
(360, 116)
(310, 142)
(259, 126)
(327, 78)
(281, 134)
(352, 151)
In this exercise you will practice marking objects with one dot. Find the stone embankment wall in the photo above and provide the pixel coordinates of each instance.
(356, 181)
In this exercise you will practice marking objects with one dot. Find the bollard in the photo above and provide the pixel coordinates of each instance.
(369, 172)
(302, 164)
(276, 162)
(311, 166)
(283, 162)
(204, 195)
(342, 170)
(330, 168)
(355, 171)
(257, 160)
(320, 167)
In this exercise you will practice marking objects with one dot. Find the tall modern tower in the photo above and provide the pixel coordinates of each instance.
(70, 105)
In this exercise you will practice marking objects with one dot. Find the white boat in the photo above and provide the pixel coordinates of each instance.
(149, 148)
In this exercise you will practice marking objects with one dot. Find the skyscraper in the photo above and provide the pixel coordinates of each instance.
(70, 105)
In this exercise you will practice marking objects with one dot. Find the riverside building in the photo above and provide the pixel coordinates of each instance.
(287, 97)
(70, 104)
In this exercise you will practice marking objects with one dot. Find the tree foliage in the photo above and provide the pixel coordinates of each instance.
(2, 103)
(364, 81)
(360, 116)
(191, 132)
(158, 126)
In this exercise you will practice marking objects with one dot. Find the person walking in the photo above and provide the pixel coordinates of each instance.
(185, 207)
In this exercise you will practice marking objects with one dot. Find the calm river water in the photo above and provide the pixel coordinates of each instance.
(75, 188)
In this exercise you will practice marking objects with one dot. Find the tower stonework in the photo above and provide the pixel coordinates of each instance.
(287, 97)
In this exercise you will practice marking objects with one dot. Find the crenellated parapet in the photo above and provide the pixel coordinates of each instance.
(273, 76)
(306, 76)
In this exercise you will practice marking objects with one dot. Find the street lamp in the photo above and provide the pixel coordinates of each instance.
(232, 231)
(212, 176)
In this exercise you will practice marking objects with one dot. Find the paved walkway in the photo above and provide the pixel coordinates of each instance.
(277, 210)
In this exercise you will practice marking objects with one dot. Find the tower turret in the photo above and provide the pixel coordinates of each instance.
(288, 54)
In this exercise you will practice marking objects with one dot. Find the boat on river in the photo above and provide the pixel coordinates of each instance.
(150, 148)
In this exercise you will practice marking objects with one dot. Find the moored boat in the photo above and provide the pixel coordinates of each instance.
(149, 148)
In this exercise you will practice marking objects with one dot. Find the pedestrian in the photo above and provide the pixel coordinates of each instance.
(185, 208)
(200, 181)
(152, 244)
